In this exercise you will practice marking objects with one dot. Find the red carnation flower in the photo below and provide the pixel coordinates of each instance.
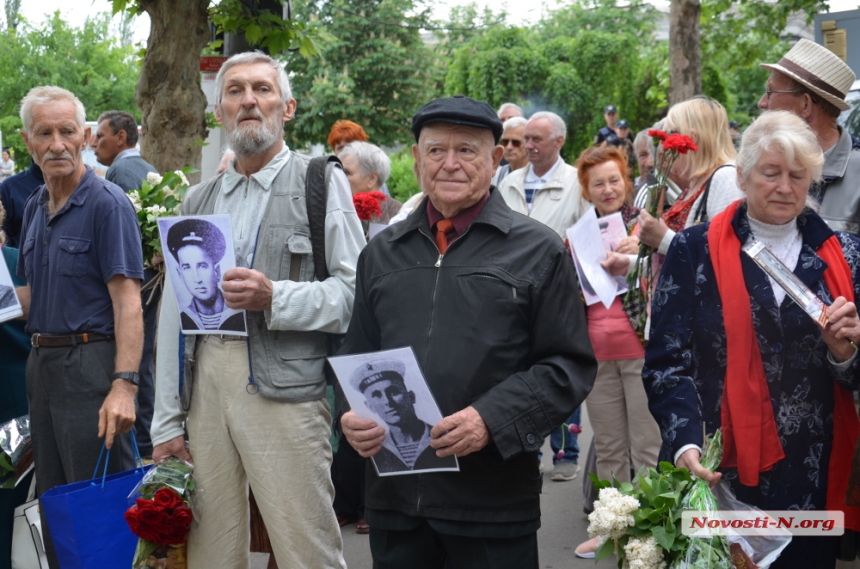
(367, 204)
(679, 143)
(654, 133)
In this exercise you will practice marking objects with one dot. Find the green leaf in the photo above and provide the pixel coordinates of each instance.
(659, 534)
(605, 550)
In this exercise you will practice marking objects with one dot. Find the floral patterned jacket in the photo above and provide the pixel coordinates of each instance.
(685, 362)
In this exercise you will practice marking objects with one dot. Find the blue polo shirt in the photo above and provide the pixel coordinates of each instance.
(69, 258)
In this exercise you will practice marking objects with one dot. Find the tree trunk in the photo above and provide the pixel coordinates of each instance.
(685, 56)
(172, 106)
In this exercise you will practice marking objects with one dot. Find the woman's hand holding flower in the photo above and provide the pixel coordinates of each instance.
(651, 229)
(690, 460)
(843, 328)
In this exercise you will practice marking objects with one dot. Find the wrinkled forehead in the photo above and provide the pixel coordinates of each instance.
(251, 73)
(515, 131)
(55, 113)
(779, 80)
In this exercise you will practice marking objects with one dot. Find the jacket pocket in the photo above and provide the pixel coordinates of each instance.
(301, 358)
(72, 258)
(494, 282)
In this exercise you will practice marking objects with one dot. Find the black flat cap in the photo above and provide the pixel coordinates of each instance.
(458, 109)
(199, 232)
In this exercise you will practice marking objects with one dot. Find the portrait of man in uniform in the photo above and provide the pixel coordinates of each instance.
(198, 247)
(407, 446)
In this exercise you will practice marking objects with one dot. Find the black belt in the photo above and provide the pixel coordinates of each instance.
(43, 341)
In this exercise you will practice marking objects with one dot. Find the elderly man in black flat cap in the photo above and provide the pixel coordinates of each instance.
(500, 337)
(198, 246)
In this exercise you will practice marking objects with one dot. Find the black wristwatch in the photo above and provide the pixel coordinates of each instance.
(131, 376)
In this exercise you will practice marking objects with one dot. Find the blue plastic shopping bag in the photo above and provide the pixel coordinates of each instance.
(87, 520)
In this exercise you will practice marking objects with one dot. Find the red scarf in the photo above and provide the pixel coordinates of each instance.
(676, 217)
(747, 412)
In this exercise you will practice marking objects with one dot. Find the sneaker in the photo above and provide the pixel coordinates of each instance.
(564, 471)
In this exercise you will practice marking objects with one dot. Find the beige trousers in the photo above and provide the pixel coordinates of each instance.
(624, 429)
(281, 449)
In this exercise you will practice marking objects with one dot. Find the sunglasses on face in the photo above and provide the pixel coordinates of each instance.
(516, 143)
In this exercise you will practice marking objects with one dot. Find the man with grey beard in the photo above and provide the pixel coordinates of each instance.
(270, 430)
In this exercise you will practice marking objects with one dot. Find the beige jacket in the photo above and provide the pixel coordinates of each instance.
(558, 205)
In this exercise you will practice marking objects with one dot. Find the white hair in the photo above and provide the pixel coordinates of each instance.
(249, 58)
(515, 122)
(558, 126)
(509, 106)
(46, 95)
(371, 159)
(784, 133)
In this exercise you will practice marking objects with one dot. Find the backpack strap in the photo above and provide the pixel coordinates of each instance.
(702, 211)
(316, 197)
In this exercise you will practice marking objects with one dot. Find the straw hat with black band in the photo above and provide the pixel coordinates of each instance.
(819, 70)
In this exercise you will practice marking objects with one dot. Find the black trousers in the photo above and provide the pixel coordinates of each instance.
(424, 548)
(66, 388)
(348, 477)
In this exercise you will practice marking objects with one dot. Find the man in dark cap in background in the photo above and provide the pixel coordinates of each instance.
(610, 134)
(408, 447)
(499, 338)
(198, 246)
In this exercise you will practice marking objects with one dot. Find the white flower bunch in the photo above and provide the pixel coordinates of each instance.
(182, 177)
(153, 178)
(644, 554)
(134, 196)
(156, 210)
(612, 514)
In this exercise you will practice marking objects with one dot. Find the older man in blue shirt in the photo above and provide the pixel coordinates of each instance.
(82, 258)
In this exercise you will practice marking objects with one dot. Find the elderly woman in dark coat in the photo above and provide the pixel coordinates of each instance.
(730, 350)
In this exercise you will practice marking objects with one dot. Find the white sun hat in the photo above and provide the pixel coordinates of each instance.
(819, 70)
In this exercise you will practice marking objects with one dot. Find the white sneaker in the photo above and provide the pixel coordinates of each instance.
(564, 471)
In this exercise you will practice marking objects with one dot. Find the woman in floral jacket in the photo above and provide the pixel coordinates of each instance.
(729, 349)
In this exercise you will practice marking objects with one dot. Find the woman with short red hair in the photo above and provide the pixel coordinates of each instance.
(617, 405)
(344, 132)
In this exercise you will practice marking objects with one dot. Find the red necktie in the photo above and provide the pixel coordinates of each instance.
(442, 227)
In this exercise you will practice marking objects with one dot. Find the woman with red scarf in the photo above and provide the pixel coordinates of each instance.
(730, 350)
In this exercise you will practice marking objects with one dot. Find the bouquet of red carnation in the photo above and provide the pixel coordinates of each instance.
(640, 279)
(161, 516)
(367, 204)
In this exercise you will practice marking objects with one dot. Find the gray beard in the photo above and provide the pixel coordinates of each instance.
(254, 141)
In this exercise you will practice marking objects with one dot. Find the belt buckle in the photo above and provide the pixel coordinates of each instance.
(34, 340)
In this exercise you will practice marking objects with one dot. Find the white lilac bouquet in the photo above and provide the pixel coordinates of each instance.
(640, 522)
(158, 196)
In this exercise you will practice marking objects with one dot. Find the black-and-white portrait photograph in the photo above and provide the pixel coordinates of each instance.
(389, 388)
(198, 251)
(10, 306)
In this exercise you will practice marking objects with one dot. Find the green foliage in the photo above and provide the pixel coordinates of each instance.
(583, 57)
(374, 73)
(402, 184)
(87, 61)
(736, 38)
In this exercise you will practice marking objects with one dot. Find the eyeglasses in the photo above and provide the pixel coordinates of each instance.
(768, 92)
(516, 143)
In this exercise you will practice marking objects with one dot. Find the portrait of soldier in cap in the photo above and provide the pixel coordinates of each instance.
(407, 448)
(198, 246)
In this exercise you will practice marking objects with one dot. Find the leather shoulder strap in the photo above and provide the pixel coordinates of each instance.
(316, 194)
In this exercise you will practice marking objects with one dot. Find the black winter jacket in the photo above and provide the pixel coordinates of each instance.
(495, 323)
